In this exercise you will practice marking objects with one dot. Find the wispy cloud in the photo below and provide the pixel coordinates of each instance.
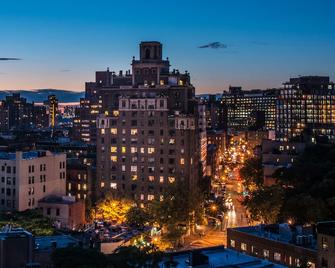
(65, 70)
(3, 59)
(214, 45)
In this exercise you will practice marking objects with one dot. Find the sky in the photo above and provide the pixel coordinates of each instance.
(257, 44)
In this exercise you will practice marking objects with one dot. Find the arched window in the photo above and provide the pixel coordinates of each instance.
(147, 53)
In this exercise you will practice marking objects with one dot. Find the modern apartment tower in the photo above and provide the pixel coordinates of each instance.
(147, 133)
(306, 109)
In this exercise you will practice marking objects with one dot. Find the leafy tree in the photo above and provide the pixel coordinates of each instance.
(252, 173)
(75, 257)
(179, 210)
(137, 217)
(265, 204)
(112, 210)
(129, 257)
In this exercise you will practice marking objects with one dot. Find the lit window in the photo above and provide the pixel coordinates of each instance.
(123, 168)
(114, 131)
(142, 150)
(133, 177)
(151, 178)
(69, 187)
(151, 150)
(113, 149)
(102, 131)
(161, 198)
(232, 243)
(182, 161)
(113, 185)
(123, 150)
(79, 186)
(133, 131)
(277, 256)
(116, 113)
(172, 179)
(171, 141)
(113, 158)
(102, 184)
(266, 253)
(151, 197)
(161, 179)
(84, 186)
(142, 197)
(133, 150)
(244, 246)
(133, 168)
(123, 131)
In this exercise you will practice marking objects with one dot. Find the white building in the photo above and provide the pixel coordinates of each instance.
(26, 177)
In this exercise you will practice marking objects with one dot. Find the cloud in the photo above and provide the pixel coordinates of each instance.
(10, 59)
(214, 45)
(65, 70)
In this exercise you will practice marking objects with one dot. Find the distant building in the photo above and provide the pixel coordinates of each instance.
(326, 244)
(64, 211)
(276, 155)
(306, 110)
(27, 177)
(52, 107)
(250, 109)
(16, 248)
(279, 243)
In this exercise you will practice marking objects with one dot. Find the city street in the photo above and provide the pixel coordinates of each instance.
(213, 235)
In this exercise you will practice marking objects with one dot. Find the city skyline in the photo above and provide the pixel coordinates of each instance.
(60, 46)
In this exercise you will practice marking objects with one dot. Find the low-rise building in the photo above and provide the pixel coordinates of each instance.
(65, 211)
(16, 248)
(26, 177)
(280, 243)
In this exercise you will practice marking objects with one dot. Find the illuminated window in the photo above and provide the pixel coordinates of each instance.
(133, 168)
(79, 186)
(277, 256)
(232, 243)
(84, 186)
(133, 177)
(171, 141)
(142, 150)
(181, 83)
(102, 184)
(133, 131)
(161, 179)
(151, 150)
(244, 246)
(133, 150)
(182, 161)
(113, 158)
(123, 168)
(113, 185)
(123, 150)
(123, 131)
(142, 196)
(113, 149)
(69, 186)
(151, 178)
(116, 113)
(114, 131)
(102, 131)
(151, 197)
(161, 198)
(171, 179)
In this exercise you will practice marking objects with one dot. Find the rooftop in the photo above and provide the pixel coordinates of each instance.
(55, 241)
(54, 199)
(284, 233)
(221, 257)
(25, 155)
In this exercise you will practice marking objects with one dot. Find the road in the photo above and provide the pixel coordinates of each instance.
(213, 236)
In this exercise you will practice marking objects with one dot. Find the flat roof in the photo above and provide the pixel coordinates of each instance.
(59, 241)
(221, 257)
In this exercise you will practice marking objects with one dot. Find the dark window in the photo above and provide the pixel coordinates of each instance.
(57, 212)
(48, 211)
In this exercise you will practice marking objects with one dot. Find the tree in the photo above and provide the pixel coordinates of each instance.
(178, 212)
(265, 204)
(137, 217)
(76, 257)
(114, 210)
(252, 173)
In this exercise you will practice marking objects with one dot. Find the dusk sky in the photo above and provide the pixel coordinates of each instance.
(60, 44)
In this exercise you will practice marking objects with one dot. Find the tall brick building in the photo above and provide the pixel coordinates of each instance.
(147, 132)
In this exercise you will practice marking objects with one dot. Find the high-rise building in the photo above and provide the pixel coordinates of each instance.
(306, 108)
(52, 107)
(250, 109)
(26, 177)
(148, 135)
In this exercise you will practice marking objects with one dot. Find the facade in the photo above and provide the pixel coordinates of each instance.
(326, 244)
(148, 135)
(278, 154)
(27, 177)
(250, 109)
(64, 211)
(52, 110)
(306, 109)
(12, 239)
(278, 243)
